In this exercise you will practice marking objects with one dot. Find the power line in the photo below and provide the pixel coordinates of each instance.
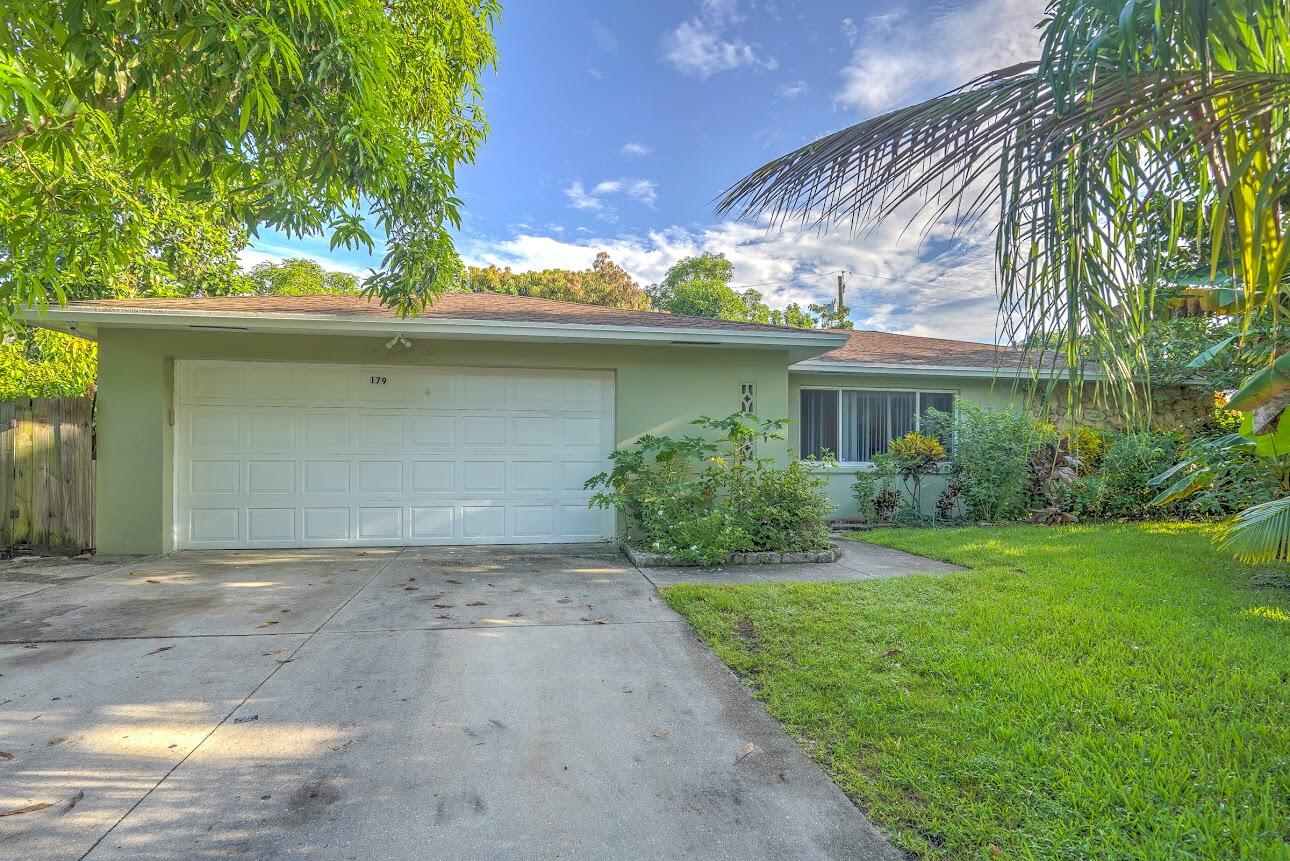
(843, 272)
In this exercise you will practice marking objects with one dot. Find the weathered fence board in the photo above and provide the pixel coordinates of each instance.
(47, 474)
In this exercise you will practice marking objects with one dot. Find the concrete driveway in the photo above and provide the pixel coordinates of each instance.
(386, 704)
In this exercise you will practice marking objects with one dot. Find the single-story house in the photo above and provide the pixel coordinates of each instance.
(247, 422)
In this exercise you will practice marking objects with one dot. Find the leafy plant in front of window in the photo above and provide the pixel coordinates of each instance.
(700, 498)
(913, 457)
(990, 458)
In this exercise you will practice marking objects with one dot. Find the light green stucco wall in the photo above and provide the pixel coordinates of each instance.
(984, 391)
(659, 389)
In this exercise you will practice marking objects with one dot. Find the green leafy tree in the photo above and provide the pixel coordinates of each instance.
(605, 283)
(700, 287)
(297, 277)
(1135, 114)
(309, 116)
(44, 364)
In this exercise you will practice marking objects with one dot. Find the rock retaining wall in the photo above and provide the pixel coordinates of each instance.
(645, 559)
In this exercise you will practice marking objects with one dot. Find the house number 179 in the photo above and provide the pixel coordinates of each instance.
(378, 381)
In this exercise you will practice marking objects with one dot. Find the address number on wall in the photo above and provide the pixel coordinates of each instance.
(378, 381)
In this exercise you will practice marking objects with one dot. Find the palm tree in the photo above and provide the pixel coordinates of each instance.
(1134, 115)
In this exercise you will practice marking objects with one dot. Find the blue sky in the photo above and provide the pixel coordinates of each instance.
(613, 127)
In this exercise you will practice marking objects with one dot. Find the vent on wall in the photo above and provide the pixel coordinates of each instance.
(747, 398)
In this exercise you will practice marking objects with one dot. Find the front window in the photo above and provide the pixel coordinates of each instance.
(856, 424)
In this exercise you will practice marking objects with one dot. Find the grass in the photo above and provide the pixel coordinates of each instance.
(1087, 692)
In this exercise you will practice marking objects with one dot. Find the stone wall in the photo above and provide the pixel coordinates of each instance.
(1172, 408)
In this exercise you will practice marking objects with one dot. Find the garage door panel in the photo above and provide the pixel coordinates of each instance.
(483, 521)
(483, 476)
(272, 429)
(270, 524)
(433, 476)
(326, 524)
(215, 526)
(214, 429)
(482, 431)
(281, 455)
(380, 476)
(215, 476)
(271, 476)
(434, 431)
(533, 476)
(327, 430)
(379, 524)
(326, 476)
(381, 430)
(430, 523)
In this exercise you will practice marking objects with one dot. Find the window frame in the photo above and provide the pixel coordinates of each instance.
(918, 412)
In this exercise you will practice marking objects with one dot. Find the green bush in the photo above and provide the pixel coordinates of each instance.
(990, 458)
(865, 491)
(1127, 469)
(778, 508)
(701, 498)
(704, 539)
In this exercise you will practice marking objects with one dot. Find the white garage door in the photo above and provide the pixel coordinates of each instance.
(271, 454)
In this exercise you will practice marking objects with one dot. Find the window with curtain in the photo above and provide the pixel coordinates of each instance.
(856, 424)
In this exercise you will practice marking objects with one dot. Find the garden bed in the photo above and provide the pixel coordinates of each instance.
(645, 559)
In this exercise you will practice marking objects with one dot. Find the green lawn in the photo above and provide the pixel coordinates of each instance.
(1088, 692)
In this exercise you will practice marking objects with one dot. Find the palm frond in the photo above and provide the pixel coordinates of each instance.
(1259, 534)
(1131, 109)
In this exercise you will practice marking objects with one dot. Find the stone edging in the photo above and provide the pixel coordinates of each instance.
(645, 559)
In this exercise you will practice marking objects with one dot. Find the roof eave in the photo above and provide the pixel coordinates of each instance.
(87, 321)
(976, 372)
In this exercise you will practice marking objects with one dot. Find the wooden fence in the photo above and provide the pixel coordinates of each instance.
(47, 474)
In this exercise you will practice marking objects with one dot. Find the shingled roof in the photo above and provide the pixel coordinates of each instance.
(494, 307)
(886, 348)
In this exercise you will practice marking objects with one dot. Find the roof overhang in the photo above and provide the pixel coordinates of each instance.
(86, 322)
(831, 367)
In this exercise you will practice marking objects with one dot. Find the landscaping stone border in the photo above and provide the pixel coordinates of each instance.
(646, 559)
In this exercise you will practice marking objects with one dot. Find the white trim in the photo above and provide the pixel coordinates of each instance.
(867, 464)
(338, 324)
(827, 367)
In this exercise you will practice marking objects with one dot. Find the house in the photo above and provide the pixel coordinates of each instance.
(242, 422)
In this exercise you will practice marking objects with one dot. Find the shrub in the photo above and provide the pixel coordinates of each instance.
(1127, 469)
(699, 498)
(990, 459)
(865, 491)
(704, 539)
(778, 508)
(1089, 445)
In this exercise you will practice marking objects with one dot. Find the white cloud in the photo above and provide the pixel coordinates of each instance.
(792, 90)
(944, 288)
(965, 41)
(698, 46)
(578, 197)
(643, 190)
(633, 149)
(269, 253)
(849, 30)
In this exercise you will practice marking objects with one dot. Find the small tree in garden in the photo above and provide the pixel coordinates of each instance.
(913, 457)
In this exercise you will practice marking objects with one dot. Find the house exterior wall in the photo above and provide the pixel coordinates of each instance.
(658, 389)
(987, 392)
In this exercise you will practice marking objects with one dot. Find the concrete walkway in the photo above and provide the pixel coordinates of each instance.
(860, 561)
(386, 704)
